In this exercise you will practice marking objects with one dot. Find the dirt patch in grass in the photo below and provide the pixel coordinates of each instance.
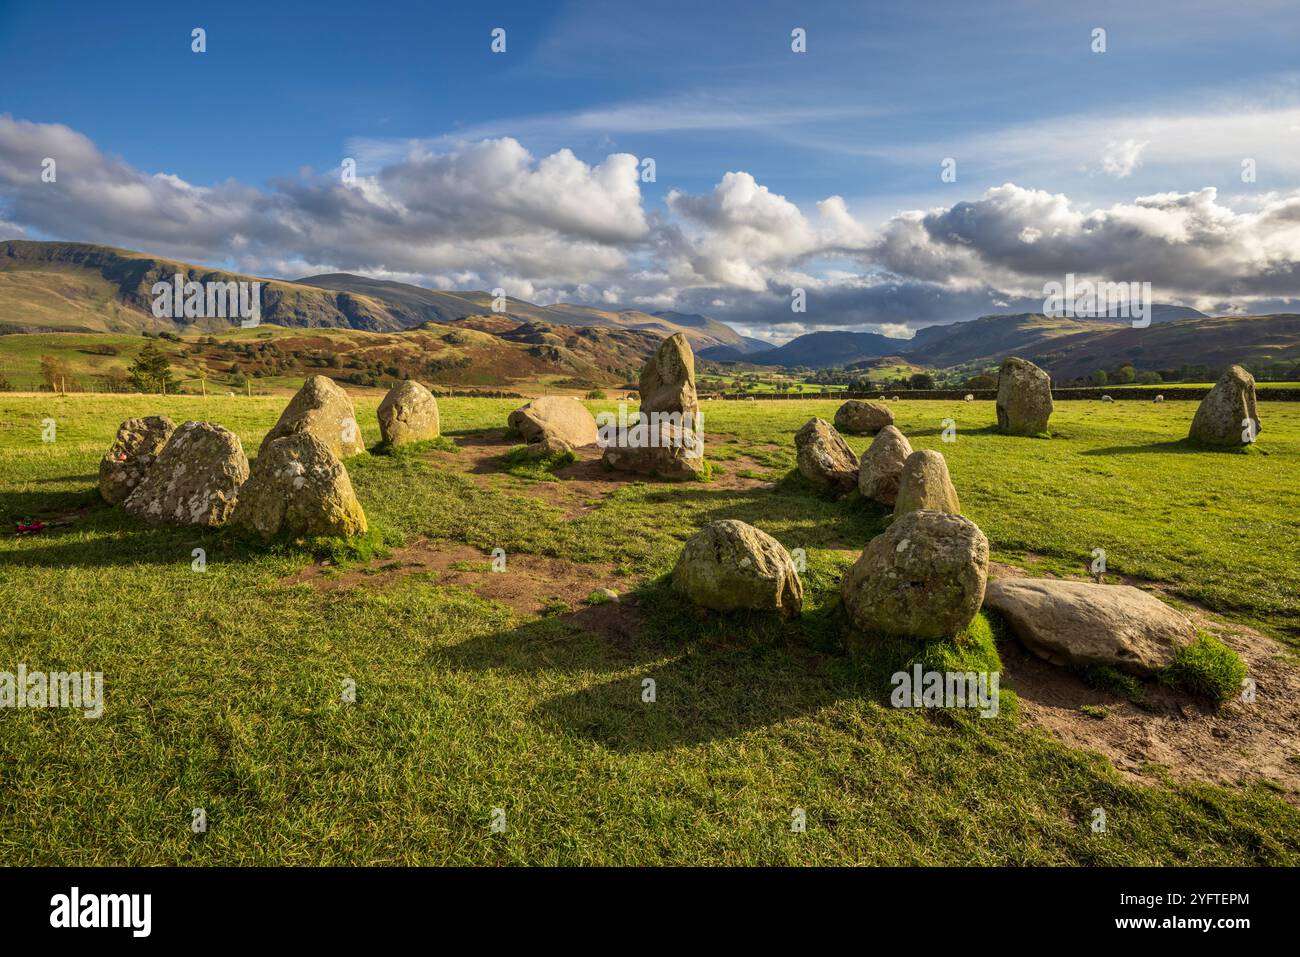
(1167, 733)
(583, 485)
(530, 584)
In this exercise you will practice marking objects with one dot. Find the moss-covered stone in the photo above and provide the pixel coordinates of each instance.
(1221, 418)
(1024, 401)
(298, 487)
(132, 454)
(194, 480)
(409, 413)
(824, 458)
(923, 577)
(729, 566)
(322, 408)
(881, 468)
(861, 417)
(924, 485)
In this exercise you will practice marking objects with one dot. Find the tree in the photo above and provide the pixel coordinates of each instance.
(56, 373)
(922, 380)
(150, 372)
(1099, 377)
(982, 381)
(1125, 374)
(1150, 378)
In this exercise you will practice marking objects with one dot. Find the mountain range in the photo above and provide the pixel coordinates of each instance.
(77, 287)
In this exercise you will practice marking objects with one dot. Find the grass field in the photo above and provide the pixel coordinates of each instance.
(223, 688)
(1163, 386)
(723, 383)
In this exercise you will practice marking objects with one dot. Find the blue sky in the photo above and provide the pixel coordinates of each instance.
(250, 135)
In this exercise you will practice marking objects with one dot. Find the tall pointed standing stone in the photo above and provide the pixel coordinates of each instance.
(660, 446)
(668, 379)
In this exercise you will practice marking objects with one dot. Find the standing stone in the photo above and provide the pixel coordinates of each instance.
(860, 417)
(922, 578)
(729, 565)
(1024, 397)
(554, 419)
(299, 487)
(824, 457)
(664, 447)
(882, 465)
(322, 408)
(195, 479)
(924, 484)
(1221, 417)
(668, 379)
(409, 413)
(1085, 623)
(131, 455)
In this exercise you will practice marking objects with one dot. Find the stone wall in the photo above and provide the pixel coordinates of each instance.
(1172, 392)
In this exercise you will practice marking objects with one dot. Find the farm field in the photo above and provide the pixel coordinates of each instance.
(723, 383)
(480, 690)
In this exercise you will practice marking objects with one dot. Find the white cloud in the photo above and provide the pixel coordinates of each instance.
(1186, 244)
(489, 213)
(1120, 159)
(487, 207)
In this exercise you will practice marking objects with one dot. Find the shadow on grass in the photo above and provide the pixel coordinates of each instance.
(968, 430)
(30, 503)
(83, 531)
(1179, 446)
(715, 676)
(795, 512)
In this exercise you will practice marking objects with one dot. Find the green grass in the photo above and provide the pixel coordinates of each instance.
(521, 463)
(1207, 667)
(1114, 681)
(415, 449)
(224, 689)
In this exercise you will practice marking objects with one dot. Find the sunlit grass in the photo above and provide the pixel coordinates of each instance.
(223, 689)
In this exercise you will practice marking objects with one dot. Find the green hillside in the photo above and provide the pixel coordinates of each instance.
(268, 358)
(98, 280)
(66, 287)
